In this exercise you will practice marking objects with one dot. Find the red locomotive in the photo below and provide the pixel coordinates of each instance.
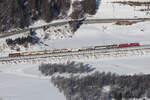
(134, 44)
(128, 45)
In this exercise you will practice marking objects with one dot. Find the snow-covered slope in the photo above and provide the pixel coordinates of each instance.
(23, 88)
(108, 9)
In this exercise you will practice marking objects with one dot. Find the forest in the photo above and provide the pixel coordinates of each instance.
(22, 40)
(92, 86)
(22, 13)
(69, 67)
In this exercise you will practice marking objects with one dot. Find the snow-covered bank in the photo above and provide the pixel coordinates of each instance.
(25, 88)
(25, 82)
(123, 66)
(17, 81)
(108, 9)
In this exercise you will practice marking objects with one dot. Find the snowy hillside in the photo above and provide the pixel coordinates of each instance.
(123, 9)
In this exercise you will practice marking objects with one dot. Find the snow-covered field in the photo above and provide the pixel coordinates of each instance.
(123, 66)
(24, 82)
(108, 9)
(14, 87)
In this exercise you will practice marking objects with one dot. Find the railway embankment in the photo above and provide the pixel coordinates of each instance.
(72, 56)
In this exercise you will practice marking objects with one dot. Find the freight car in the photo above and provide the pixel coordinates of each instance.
(48, 51)
(31, 53)
(111, 46)
(74, 50)
(123, 45)
(56, 51)
(82, 49)
(65, 50)
(90, 48)
(105, 47)
(86, 48)
(99, 47)
(26, 53)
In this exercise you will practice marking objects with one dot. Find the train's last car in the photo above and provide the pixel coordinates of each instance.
(15, 55)
(65, 50)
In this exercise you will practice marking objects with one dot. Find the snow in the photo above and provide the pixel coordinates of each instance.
(18, 83)
(38, 23)
(106, 89)
(108, 9)
(25, 82)
(123, 66)
(23, 88)
(105, 34)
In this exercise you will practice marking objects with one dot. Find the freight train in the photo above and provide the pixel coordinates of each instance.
(73, 50)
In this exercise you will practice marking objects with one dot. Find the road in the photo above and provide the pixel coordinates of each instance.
(86, 21)
(94, 21)
(6, 34)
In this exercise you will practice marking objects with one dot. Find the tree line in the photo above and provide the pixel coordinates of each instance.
(91, 87)
(69, 67)
(22, 40)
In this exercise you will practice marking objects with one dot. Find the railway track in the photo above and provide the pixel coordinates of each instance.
(142, 50)
(86, 21)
